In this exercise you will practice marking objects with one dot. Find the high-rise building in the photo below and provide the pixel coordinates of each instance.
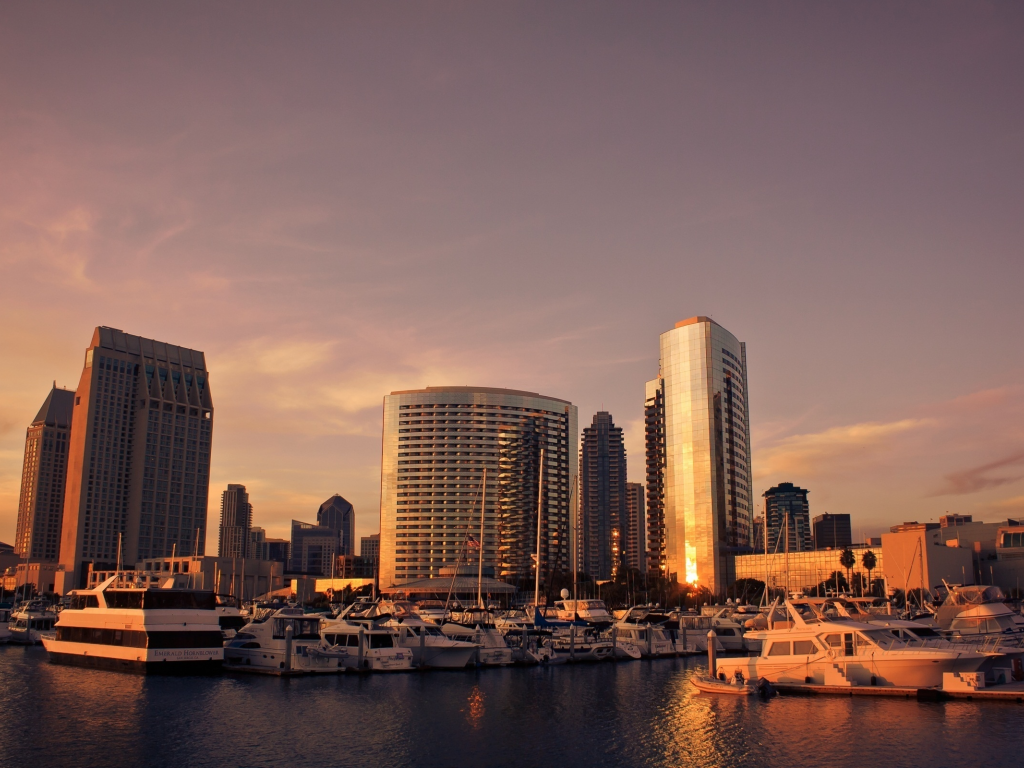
(789, 519)
(654, 446)
(338, 514)
(235, 522)
(635, 549)
(369, 548)
(832, 531)
(43, 475)
(139, 456)
(263, 548)
(437, 442)
(699, 453)
(602, 497)
(313, 548)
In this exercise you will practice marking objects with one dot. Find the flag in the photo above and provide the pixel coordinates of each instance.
(472, 542)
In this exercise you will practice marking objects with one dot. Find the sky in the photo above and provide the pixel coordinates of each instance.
(338, 200)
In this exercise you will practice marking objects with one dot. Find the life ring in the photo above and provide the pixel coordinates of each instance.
(831, 653)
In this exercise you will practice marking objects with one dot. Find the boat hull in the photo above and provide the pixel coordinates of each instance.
(443, 657)
(165, 666)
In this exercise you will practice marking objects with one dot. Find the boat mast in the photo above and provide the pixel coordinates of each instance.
(119, 556)
(480, 566)
(540, 514)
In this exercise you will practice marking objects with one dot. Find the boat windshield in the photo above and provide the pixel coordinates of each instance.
(975, 595)
(882, 638)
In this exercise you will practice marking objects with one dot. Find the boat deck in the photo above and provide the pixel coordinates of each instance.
(1011, 692)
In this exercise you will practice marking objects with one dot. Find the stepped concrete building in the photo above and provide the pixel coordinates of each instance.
(139, 456)
(235, 523)
(602, 498)
(41, 506)
(635, 548)
(436, 444)
(698, 443)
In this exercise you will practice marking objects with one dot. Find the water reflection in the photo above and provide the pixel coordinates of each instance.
(641, 713)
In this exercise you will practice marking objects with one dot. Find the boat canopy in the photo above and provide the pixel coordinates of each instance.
(974, 595)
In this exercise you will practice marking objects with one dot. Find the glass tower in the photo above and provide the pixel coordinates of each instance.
(436, 443)
(699, 450)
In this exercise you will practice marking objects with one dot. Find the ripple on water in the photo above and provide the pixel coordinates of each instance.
(640, 713)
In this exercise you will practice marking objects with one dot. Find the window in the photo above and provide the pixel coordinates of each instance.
(381, 641)
(780, 649)
(833, 641)
(804, 648)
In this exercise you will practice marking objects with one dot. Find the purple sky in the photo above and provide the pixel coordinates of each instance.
(335, 201)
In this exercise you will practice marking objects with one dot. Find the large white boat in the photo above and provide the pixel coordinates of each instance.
(810, 648)
(30, 621)
(650, 639)
(362, 648)
(978, 614)
(592, 611)
(5, 618)
(279, 642)
(138, 630)
(477, 626)
(429, 645)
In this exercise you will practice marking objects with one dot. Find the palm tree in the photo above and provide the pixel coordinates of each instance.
(869, 561)
(847, 559)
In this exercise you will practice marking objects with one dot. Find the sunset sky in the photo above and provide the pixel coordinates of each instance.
(334, 201)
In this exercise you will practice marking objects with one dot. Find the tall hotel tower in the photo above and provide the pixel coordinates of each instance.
(235, 522)
(603, 512)
(437, 442)
(698, 455)
(139, 461)
(42, 479)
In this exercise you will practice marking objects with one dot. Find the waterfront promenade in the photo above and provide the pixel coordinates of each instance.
(643, 713)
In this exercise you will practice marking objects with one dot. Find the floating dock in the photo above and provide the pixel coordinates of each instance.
(1009, 692)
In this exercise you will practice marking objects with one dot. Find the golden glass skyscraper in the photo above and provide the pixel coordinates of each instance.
(698, 409)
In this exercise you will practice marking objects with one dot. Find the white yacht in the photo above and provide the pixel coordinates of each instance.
(811, 648)
(5, 618)
(280, 642)
(429, 645)
(651, 639)
(592, 611)
(362, 648)
(29, 621)
(138, 629)
(978, 614)
(477, 626)
(434, 611)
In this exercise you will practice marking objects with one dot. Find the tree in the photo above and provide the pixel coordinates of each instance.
(746, 590)
(847, 559)
(869, 561)
(834, 584)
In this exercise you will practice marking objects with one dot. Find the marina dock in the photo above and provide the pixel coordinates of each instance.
(1008, 692)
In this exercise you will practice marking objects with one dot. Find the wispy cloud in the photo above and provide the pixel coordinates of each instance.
(982, 477)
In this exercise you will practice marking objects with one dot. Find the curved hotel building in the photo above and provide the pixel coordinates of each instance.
(698, 455)
(436, 444)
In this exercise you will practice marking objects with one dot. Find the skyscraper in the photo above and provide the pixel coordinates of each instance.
(635, 549)
(43, 475)
(654, 446)
(338, 514)
(702, 464)
(139, 456)
(235, 523)
(437, 442)
(789, 519)
(369, 548)
(602, 497)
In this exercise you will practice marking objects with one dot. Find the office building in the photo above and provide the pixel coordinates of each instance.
(635, 549)
(338, 514)
(235, 522)
(811, 571)
(313, 548)
(437, 442)
(602, 498)
(263, 548)
(947, 520)
(43, 474)
(698, 443)
(832, 531)
(139, 455)
(789, 519)
(369, 548)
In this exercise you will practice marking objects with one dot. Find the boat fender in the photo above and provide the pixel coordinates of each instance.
(831, 653)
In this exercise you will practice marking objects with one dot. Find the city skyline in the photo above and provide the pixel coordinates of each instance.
(700, 167)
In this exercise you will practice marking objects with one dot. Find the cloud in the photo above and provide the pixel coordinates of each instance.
(815, 452)
(980, 478)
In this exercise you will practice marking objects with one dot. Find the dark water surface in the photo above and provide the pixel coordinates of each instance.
(638, 713)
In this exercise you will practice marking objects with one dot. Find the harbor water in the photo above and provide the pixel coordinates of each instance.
(641, 713)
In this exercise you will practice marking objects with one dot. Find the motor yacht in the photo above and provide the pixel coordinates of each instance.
(280, 642)
(138, 629)
(29, 621)
(429, 645)
(978, 614)
(434, 611)
(362, 648)
(810, 647)
(5, 618)
(477, 626)
(651, 639)
(590, 611)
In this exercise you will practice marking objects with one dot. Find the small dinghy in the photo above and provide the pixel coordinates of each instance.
(734, 687)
